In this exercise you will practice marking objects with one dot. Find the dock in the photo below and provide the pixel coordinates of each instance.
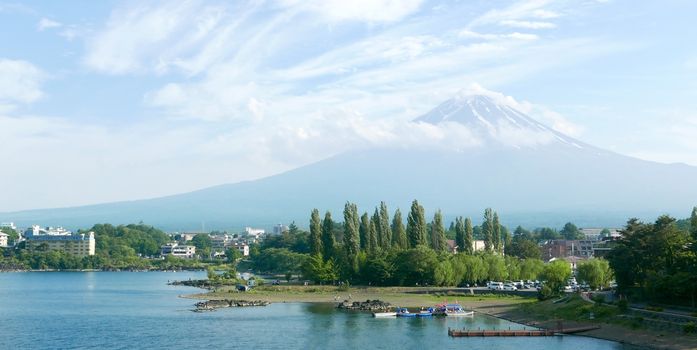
(518, 332)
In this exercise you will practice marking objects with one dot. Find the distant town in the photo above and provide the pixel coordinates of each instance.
(82, 244)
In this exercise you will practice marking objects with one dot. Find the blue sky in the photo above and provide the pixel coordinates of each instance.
(106, 100)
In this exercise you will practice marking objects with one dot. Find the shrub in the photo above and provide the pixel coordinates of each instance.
(546, 293)
(689, 327)
(623, 305)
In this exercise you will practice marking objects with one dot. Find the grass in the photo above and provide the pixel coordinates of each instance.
(574, 308)
(398, 296)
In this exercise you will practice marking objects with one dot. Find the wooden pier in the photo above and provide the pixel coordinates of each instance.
(518, 332)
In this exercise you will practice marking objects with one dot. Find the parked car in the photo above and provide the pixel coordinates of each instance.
(495, 285)
(509, 287)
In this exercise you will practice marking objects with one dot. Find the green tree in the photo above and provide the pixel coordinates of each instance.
(444, 274)
(385, 229)
(520, 231)
(469, 236)
(693, 227)
(373, 236)
(399, 234)
(469, 268)
(488, 230)
(460, 235)
(203, 244)
(315, 233)
(555, 274)
(377, 270)
(595, 272)
(438, 242)
(570, 231)
(523, 246)
(351, 235)
(496, 235)
(415, 266)
(531, 268)
(416, 225)
(377, 230)
(496, 267)
(328, 241)
(364, 232)
(320, 271)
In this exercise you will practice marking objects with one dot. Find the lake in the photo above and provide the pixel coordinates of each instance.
(138, 310)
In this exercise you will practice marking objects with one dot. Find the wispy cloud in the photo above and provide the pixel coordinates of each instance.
(20, 83)
(46, 23)
(528, 24)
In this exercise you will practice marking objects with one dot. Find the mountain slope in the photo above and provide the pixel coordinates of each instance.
(530, 173)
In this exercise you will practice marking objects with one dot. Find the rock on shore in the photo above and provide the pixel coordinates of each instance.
(368, 305)
(210, 305)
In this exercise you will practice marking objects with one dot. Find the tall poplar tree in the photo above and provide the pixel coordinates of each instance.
(315, 233)
(364, 232)
(373, 236)
(496, 236)
(693, 227)
(399, 234)
(351, 235)
(385, 228)
(416, 225)
(438, 242)
(375, 220)
(460, 235)
(328, 236)
(488, 230)
(469, 236)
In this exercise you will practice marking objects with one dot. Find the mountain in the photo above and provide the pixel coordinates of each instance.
(532, 174)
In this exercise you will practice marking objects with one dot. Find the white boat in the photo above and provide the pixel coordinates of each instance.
(453, 310)
(460, 313)
(384, 314)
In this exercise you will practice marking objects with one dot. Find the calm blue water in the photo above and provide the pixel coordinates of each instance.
(138, 310)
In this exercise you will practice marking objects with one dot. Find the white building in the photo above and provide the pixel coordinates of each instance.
(8, 225)
(60, 239)
(595, 234)
(279, 229)
(254, 232)
(3, 239)
(243, 248)
(181, 251)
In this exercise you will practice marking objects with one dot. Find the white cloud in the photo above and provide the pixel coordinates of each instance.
(20, 83)
(46, 23)
(138, 38)
(357, 10)
(528, 24)
(515, 35)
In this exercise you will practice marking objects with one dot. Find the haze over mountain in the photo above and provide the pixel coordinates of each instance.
(491, 155)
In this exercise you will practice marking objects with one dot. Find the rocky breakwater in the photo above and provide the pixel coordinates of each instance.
(211, 305)
(368, 305)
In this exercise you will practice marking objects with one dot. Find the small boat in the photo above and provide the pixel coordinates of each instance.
(403, 312)
(384, 314)
(425, 313)
(452, 310)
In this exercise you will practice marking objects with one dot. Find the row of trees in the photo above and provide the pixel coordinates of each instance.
(372, 233)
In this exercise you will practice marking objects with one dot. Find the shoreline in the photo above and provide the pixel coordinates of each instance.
(642, 338)
(503, 307)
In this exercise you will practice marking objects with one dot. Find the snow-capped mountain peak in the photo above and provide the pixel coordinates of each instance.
(496, 118)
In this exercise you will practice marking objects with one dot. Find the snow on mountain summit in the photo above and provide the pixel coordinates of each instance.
(491, 117)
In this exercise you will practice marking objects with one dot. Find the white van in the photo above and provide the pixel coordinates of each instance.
(495, 285)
